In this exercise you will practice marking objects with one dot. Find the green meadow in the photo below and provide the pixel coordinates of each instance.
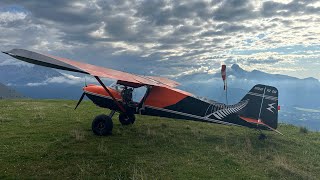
(48, 139)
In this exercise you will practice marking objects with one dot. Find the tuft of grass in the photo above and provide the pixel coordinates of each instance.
(77, 134)
(303, 130)
(47, 138)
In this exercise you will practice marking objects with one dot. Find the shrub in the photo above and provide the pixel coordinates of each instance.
(303, 130)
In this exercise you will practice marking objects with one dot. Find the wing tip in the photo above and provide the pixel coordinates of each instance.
(7, 52)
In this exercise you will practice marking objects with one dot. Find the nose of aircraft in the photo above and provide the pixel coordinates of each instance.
(99, 90)
(85, 89)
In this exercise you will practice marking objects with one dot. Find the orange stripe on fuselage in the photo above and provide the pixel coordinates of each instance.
(162, 97)
(158, 97)
(99, 90)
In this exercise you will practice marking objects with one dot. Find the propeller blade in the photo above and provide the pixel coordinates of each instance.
(82, 96)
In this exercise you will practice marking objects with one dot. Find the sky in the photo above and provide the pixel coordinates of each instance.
(167, 37)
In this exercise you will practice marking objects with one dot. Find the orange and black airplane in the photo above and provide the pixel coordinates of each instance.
(257, 109)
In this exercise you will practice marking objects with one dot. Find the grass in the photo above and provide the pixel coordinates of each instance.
(47, 139)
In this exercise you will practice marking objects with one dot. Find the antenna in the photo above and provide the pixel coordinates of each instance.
(226, 88)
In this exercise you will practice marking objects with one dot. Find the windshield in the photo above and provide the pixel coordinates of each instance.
(117, 87)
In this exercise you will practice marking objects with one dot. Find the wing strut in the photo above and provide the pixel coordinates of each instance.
(110, 94)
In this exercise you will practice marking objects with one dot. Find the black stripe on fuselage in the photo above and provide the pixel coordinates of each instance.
(107, 102)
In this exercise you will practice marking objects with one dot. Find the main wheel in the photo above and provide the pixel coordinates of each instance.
(126, 119)
(102, 125)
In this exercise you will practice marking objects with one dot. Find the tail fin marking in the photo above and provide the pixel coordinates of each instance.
(263, 101)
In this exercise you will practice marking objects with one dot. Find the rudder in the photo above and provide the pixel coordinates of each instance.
(262, 105)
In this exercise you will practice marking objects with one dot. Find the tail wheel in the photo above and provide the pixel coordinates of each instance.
(102, 125)
(126, 119)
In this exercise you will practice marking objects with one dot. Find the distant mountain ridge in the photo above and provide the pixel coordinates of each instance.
(8, 93)
(22, 75)
(256, 74)
(292, 91)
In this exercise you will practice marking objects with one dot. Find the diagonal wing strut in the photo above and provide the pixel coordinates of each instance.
(110, 94)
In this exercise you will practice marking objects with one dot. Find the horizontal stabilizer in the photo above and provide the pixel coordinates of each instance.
(259, 123)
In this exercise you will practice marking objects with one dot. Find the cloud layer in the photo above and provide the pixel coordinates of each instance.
(164, 37)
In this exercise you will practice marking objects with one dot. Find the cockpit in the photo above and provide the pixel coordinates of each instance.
(130, 94)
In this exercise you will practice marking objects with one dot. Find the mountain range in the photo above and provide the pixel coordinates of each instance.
(40, 82)
(8, 93)
(292, 91)
(17, 75)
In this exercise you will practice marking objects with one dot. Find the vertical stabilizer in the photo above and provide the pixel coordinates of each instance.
(263, 105)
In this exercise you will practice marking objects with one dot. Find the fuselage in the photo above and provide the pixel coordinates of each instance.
(172, 103)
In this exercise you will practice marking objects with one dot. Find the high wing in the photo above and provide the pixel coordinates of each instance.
(74, 66)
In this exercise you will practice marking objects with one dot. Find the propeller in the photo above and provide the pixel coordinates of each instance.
(82, 96)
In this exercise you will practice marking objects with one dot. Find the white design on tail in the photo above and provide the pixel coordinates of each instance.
(271, 107)
(222, 113)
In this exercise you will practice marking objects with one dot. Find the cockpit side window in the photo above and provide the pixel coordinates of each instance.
(138, 93)
(117, 87)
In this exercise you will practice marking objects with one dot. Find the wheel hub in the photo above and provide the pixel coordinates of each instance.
(100, 125)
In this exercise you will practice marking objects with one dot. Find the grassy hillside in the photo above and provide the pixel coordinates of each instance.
(48, 139)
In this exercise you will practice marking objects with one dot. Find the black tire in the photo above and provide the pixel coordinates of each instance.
(126, 119)
(102, 125)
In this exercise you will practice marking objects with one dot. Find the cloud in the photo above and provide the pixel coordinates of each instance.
(9, 17)
(295, 7)
(14, 63)
(65, 79)
(37, 84)
(165, 37)
(234, 10)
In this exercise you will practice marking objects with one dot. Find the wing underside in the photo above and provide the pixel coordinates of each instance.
(74, 66)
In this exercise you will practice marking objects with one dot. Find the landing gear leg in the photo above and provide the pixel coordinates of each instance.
(112, 113)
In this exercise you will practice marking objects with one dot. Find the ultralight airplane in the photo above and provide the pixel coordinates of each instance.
(257, 109)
